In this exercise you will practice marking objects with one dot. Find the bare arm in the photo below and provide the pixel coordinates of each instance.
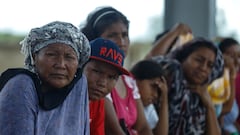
(162, 125)
(141, 124)
(232, 68)
(162, 45)
(212, 125)
(212, 122)
(227, 106)
(112, 126)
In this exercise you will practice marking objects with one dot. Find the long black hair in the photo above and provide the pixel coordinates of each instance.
(226, 43)
(146, 69)
(100, 19)
(188, 48)
(182, 53)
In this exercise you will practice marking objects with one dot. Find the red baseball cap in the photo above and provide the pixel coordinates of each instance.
(107, 51)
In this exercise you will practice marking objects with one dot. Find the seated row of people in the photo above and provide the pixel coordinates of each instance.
(72, 86)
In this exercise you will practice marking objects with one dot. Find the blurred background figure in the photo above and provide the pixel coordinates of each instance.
(153, 89)
(230, 109)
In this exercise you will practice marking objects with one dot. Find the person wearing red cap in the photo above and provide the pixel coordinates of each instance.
(123, 106)
(102, 71)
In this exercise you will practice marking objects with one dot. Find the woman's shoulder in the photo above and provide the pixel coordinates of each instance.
(17, 80)
(21, 81)
(18, 76)
(21, 88)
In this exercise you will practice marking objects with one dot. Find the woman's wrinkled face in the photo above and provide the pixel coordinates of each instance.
(101, 77)
(148, 90)
(118, 33)
(56, 65)
(198, 65)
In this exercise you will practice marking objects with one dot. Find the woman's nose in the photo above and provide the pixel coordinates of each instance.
(60, 62)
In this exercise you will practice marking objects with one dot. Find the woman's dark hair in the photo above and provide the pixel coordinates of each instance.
(182, 53)
(146, 69)
(188, 48)
(100, 19)
(226, 43)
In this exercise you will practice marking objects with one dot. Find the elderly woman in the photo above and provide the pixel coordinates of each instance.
(50, 95)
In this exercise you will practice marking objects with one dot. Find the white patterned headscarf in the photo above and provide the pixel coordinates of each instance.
(55, 32)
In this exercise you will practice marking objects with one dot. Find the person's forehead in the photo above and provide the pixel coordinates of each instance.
(203, 52)
(117, 26)
(103, 66)
(55, 46)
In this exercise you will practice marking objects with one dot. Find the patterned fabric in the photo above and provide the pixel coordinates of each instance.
(20, 113)
(55, 32)
(217, 70)
(187, 115)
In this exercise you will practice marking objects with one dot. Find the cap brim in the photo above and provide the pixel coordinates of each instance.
(121, 69)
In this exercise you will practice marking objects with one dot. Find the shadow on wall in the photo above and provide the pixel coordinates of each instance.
(10, 57)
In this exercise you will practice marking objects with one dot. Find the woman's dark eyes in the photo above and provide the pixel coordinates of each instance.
(155, 86)
(111, 77)
(211, 65)
(125, 35)
(56, 54)
(95, 70)
(200, 60)
(51, 54)
(70, 57)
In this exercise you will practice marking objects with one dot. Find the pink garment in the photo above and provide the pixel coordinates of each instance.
(237, 82)
(125, 108)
